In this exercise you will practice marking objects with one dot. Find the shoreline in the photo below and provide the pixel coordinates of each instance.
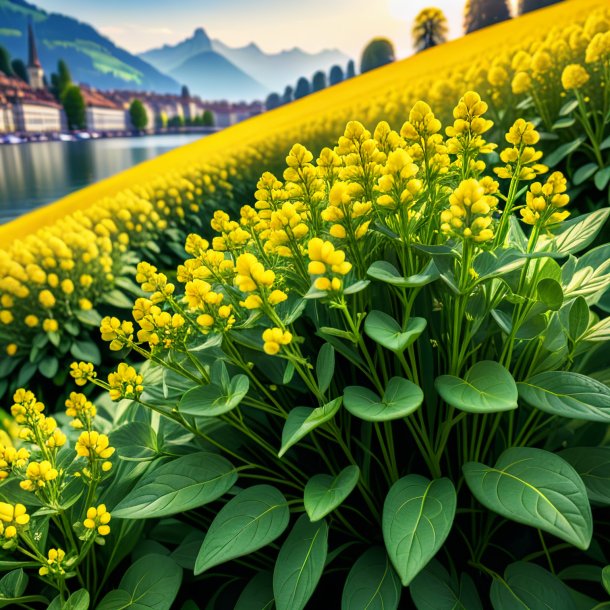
(16, 138)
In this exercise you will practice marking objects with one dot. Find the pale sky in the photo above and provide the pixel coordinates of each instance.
(274, 25)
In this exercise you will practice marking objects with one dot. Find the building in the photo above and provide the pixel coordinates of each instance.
(102, 113)
(7, 119)
(34, 68)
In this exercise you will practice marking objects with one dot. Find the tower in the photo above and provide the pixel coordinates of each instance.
(35, 71)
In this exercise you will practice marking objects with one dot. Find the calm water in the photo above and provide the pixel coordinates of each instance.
(37, 173)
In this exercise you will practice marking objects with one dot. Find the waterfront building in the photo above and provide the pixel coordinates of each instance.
(102, 113)
(34, 67)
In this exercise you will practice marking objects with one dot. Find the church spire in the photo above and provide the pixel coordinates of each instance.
(33, 61)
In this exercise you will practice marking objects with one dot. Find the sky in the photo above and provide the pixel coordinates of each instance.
(274, 25)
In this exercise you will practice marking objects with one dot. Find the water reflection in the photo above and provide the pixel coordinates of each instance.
(41, 172)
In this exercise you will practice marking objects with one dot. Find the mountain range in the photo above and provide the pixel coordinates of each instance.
(93, 59)
(209, 67)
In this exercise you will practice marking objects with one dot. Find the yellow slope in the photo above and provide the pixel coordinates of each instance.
(347, 96)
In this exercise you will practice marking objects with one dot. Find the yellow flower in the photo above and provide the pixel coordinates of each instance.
(251, 274)
(98, 518)
(125, 382)
(55, 558)
(274, 338)
(11, 349)
(81, 409)
(46, 299)
(574, 76)
(544, 201)
(521, 83)
(38, 474)
(118, 333)
(31, 321)
(50, 325)
(93, 445)
(82, 372)
(12, 516)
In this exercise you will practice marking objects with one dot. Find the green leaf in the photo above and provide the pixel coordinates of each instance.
(135, 441)
(487, 387)
(567, 394)
(568, 107)
(48, 366)
(87, 351)
(323, 492)
(584, 173)
(527, 586)
(593, 466)
(252, 519)
(561, 152)
(371, 583)
(116, 298)
(150, 583)
(213, 399)
(578, 319)
(601, 178)
(383, 329)
(177, 486)
(599, 332)
(576, 234)
(356, 287)
(401, 397)
(79, 600)
(563, 123)
(302, 420)
(13, 584)
(606, 579)
(417, 518)
(550, 293)
(325, 366)
(300, 564)
(258, 593)
(536, 488)
(386, 272)
(434, 589)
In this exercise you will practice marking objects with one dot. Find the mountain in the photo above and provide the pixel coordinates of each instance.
(92, 58)
(276, 70)
(271, 71)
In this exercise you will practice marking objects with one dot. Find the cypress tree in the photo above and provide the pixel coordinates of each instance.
(5, 62)
(303, 88)
(273, 101)
(336, 75)
(287, 96)
(482, 13)
(379, 52)
(318, 82)
(526, 6)
(351, 69)
(74, 107)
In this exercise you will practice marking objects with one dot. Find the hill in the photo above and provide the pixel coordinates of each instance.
(92, 58)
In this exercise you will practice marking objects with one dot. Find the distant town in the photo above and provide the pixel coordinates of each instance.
(29, 110)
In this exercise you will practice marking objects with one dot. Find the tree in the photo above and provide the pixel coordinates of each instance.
(288, 94)
(60, 80)
(74, 107)
(273, 101)
(429, 29)
(185, 93)
(5, 62)
(138, 116)
(526, 6)
(19, 69)
(379, 52)
(302, 89)
(351, 69)
(208, 119)
(318, 82)
(336, 75)
(482, 13)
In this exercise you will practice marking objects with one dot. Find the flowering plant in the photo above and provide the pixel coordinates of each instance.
(393, 352)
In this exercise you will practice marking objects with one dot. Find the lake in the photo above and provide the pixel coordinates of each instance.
(35, 173)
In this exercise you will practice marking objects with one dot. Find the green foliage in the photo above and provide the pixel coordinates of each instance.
(483, 13)
(303, 88)
(526, 6)
(273, 101)
(19, 69)
(208, 119)
(74, 107)
(336, 75)
(378, 52)
(318, 82)
(61, 80)
(138, 116)
(5, 62)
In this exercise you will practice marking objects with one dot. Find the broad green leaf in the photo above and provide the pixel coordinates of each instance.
(79, 600)
(568, 107)
(372, 583)
(302, 420)
(591, 275)
(601, 178)
(417, 518)
(401, 397)
(567, 394)
(386, 272)
(135, 441)
(486, 388)
(325, 366)
(258, 593)
(252, 519)
(13, 584)
(550, 293)
(606, 579)
(536, 488)
(384, 329)
(323, 492)
(593, 466)
(300, 564)
(583, 173)
(561, 152)
(564, 123)
(356, 287)
(527, 586)
(599, 332)
(151, 583)
(489, 264)
(434, 589)
(177, 486)
(578, 318)
(574, 235)
(87, 350)
(212, 400)
(48, 366)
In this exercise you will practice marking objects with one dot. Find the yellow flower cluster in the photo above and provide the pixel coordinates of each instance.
(125, 382)
(82, 372)
(96, 447)
(12, 459)
(38, 474)
(35, 426)
(544, 201)
(98, 519)
(13, 517)
(81, 410)
(274, 339)
(55, 558)
(119, 333)
(327, 265)
(522, 158)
